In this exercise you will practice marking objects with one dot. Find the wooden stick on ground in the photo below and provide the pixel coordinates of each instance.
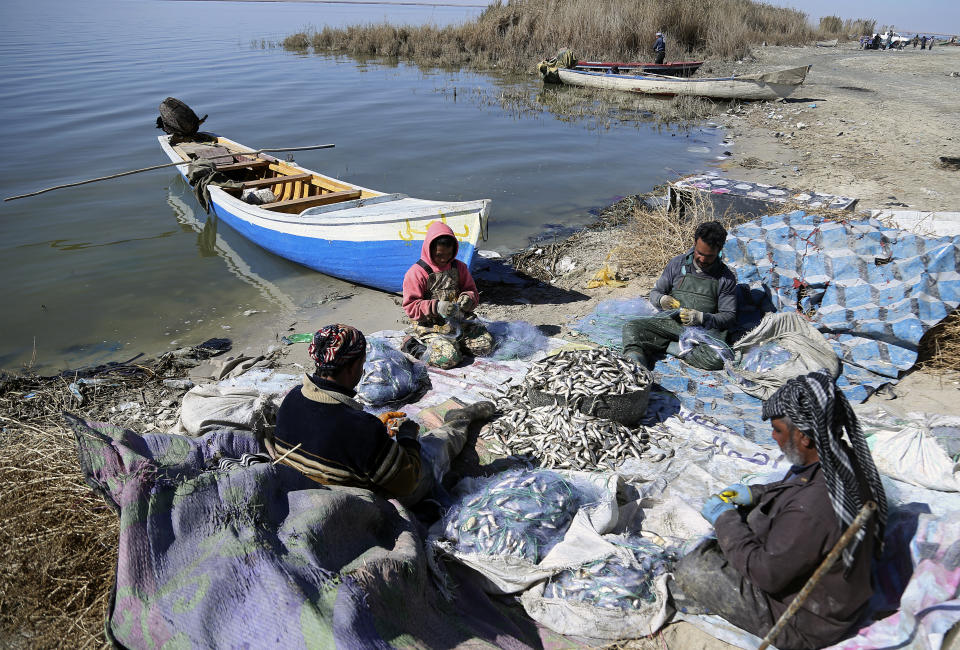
(147, 169)
(868, 509)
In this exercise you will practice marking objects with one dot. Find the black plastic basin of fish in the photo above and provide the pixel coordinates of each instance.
(627, 409)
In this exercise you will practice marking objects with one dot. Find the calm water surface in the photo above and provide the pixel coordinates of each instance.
(108, 270)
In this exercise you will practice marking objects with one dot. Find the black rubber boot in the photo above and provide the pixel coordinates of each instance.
(637, 357)
(476, 411)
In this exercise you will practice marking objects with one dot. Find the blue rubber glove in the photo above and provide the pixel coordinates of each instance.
(714, 507)
(739, 494)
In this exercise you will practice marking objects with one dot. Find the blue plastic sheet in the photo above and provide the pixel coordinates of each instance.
(872, 291)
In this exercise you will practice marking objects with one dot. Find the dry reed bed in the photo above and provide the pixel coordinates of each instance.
(59, 539)
(516, 35)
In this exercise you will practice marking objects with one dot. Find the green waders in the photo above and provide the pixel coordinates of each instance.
(652, 335)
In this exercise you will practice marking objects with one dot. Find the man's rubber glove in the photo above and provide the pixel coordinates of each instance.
(392, 420)
(714, 507)
(669, 302)
(737, 493)
(465, 302)
(691, 316)
(447, 308)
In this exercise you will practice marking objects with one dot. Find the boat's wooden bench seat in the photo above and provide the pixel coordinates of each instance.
(249, 164)
(296, 205)
(277, 180)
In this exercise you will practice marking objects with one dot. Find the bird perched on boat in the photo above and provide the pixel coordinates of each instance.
(439, 296)
(695, 290)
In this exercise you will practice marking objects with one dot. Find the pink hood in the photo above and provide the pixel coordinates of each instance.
(415, 280)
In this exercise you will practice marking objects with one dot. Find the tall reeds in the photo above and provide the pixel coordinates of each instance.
(517, 34)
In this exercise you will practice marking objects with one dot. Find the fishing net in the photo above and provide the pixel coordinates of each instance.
(515, 339)
(388, 374)
(604, 325)
(522, 513)
(765, 357)
(615, 582)
(693, 337)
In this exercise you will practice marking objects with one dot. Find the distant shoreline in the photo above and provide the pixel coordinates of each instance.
(358, 2)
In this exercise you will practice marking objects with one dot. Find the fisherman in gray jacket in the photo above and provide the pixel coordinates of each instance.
(696, 290)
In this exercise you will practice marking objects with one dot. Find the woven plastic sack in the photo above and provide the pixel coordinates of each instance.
(604, 325)
(388, 374)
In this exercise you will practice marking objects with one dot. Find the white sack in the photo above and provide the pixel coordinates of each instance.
(582, 542)
(905, 448)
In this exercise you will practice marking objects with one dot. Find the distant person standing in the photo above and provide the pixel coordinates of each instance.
(923, 43)
(876, 41)
(916, 39)
(659, 48)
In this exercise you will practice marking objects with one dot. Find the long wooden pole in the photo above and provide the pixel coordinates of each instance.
(868, 509)
(170, 164)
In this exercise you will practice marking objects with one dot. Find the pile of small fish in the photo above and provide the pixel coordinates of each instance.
(612, 582)
(522, 513)
(579, 375)
(560, 436)
(557, 437)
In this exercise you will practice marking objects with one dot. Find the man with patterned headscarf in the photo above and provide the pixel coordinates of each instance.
(324, 433)
(771, 538)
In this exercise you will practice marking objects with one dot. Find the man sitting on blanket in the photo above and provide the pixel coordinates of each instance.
(771, 538)
(695, 290)
(324, 433)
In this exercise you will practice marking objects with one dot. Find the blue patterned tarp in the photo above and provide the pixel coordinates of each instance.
(872, 291)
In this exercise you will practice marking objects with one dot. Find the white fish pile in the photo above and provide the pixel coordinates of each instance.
(580, 375)
(557, 437)
(522, 513)
(613, 583)
(560, 436)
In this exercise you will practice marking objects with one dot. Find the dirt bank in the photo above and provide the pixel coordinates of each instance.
(866, 123)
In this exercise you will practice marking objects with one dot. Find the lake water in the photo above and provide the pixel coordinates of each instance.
(112, 269)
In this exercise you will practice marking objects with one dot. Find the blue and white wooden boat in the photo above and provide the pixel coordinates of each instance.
(338, 228)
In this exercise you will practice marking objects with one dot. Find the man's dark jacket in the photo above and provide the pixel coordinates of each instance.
(779, 545)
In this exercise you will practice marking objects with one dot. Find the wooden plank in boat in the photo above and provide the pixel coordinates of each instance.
(277, 180)
(249, 164)
(296, 205)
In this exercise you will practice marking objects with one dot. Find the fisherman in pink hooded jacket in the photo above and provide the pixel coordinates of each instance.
(439, 296)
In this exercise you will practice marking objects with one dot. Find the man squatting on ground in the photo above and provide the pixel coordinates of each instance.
(439, 296)
(771, 538)
(696, 289)
(340, 444)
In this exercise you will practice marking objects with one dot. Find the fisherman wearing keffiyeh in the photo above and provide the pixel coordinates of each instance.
(771, 538)
(325, 434)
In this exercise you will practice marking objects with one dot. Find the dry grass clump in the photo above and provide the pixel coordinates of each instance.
(518, 34)
(58, 539)
(940, 346)
(655, 235)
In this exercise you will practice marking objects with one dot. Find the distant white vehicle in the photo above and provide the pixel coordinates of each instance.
(886, 37)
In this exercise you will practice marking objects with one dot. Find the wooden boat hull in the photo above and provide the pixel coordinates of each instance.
(672, 69)
(742, 88)
(371, 240)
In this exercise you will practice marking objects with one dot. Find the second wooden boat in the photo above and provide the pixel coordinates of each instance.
(671, 69)
(766, 86)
